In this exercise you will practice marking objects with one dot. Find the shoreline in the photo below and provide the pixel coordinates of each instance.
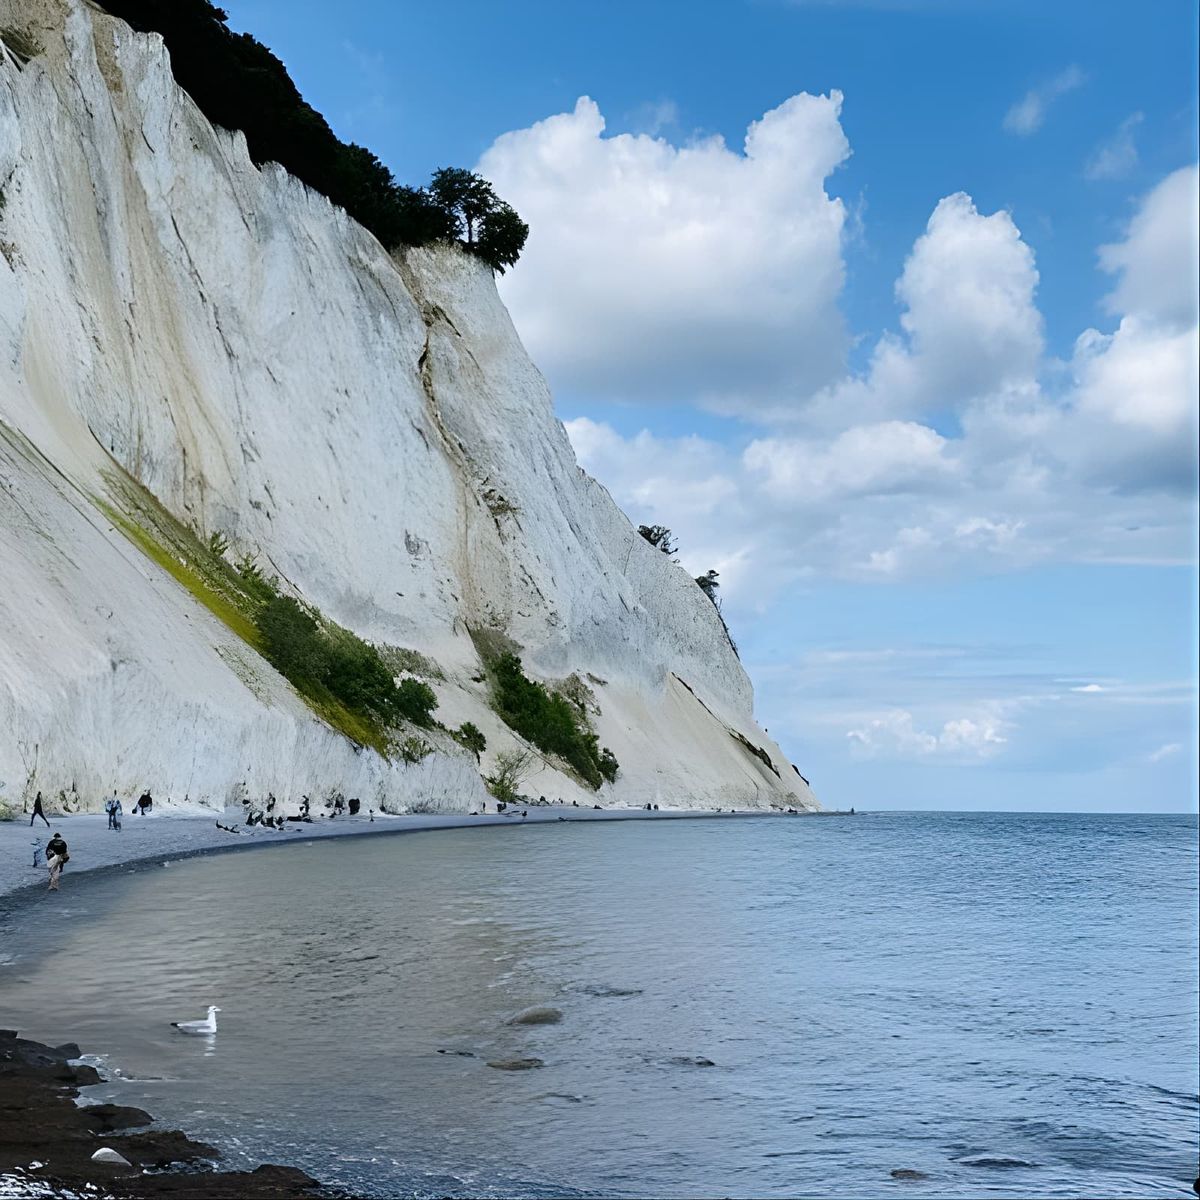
(169, 837)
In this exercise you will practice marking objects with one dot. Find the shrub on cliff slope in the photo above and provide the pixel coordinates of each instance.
(239, 84)
(548, 720)
(330, 661)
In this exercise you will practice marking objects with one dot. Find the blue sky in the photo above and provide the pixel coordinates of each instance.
(854, 369)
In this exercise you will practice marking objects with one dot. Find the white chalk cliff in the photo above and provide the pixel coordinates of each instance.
(369, 425)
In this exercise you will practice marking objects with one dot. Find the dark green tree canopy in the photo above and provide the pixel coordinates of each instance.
(484, 223)
(239, 84)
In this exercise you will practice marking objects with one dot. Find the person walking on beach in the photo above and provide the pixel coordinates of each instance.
(145, 803)
(38, 811)
(56, 858)
(112, 806)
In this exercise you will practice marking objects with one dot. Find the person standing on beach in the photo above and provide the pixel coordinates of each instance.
(56, 858)
(38, 811)
(112, 806)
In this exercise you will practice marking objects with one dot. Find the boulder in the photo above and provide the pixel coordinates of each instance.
(537, 1016)
(107, 1155)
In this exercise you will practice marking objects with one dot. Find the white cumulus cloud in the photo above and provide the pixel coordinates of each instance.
(1156, 261)
(693, 272)
(970, 324)
(895, 734)
(893, 456)
(1133, 420)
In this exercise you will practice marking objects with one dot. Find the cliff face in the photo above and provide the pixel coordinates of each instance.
(369, 426)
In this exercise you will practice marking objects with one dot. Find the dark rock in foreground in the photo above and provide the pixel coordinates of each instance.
(40, 1122)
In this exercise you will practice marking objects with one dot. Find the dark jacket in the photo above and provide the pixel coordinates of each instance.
(56, 846)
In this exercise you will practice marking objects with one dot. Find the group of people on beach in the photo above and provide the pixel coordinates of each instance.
(57, 855)
(143, 805)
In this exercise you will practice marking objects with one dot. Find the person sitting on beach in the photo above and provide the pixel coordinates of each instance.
(38, 811)
(56, 858)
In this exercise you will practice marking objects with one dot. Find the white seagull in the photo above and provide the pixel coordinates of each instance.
(208, 1025)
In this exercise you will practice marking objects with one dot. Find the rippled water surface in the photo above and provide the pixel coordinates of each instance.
(1006, 1003)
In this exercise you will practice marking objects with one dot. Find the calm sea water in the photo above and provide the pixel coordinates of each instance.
(1006, 1003)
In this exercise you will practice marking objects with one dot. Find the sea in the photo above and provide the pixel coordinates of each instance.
(988, 1003)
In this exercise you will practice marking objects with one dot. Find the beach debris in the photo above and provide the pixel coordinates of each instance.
(515, 1064)
(107, 1155)
(208, 1025)
(537, 1016)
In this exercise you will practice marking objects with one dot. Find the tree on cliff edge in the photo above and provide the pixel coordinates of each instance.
(484, 223)
(239, 84)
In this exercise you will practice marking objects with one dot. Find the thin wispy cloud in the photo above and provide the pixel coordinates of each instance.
(1164, 752)
(654, 117)
(1029, 113)
(1118, 156)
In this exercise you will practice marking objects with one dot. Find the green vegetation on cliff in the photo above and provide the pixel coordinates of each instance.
(549, 720)
(239, 84)
(343, 679)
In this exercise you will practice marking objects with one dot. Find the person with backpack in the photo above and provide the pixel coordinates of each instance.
(56, 858)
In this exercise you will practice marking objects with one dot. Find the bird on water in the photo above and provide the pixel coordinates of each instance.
(208, 1025)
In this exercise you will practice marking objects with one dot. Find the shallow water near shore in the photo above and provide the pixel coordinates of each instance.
(1004, 1002)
